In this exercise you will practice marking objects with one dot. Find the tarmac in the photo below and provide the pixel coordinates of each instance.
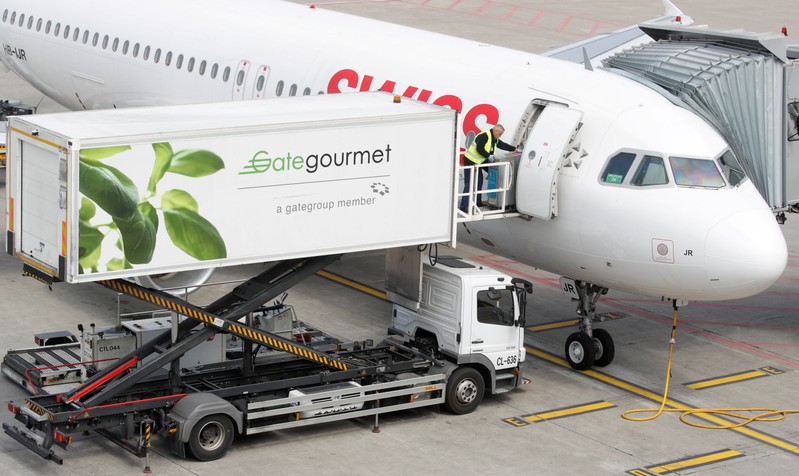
(742, 353)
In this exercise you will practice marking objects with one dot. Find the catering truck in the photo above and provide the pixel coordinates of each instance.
(292, 181)
(111, 194)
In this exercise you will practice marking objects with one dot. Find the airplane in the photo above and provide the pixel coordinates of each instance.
(649, 197)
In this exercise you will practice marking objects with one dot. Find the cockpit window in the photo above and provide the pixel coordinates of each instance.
(731, 168)
(618, 167)
(652, 171)
(696, 172)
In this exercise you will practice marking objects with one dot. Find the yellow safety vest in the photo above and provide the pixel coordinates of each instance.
(474, 156)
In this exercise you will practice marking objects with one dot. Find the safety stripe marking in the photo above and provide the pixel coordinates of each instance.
(670, 402)
(242, 331)
(559, 413)
(733, 378)
(572, 322)
(689, 463)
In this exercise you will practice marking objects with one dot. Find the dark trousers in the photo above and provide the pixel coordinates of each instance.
(467, 178)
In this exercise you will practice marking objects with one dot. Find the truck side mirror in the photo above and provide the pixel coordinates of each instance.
(523, 284)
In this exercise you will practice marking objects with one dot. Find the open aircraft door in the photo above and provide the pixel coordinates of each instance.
(544, 151)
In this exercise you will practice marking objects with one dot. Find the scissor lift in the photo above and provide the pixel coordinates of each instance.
(130, 399)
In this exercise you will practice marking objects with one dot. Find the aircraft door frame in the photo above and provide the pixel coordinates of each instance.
(542, 158)
(261, 79)
(240, 80)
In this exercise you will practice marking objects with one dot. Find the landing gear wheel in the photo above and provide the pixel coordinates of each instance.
(604, 348)
(211, 437)
(465, 390)
(580, 351)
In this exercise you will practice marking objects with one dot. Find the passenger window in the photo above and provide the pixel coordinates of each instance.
(203, 65)
(85, 36)
(190, 66)
(226, 74)
(115, 45)
(240, 78)
(279, 88)
(146, 53)
(30, 22)
(57, 29)
(21, 19)
(214, 70)
(95, 39)
(39, 24)
(47, 27)
(259, 85)
(652, 171)
(618, 167)
(495, 306)
(105, 41)
(13, 17)
(136, 50)
(306, 92)
(157, 56)
(179, 62)
(5, 15)
(75, 35)
(168, 59)
(696, 172)
(125, 47)
(293, 90)
(731, 168)
(66, 32)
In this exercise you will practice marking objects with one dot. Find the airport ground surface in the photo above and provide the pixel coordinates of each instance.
(741, 353)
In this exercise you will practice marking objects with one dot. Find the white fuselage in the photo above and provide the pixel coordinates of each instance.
(725, 242)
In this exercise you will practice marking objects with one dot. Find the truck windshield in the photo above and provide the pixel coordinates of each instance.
(495, 306)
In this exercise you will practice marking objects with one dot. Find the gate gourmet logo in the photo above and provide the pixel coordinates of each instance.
(263, 162)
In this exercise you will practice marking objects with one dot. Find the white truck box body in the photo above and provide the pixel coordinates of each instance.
(227, 184)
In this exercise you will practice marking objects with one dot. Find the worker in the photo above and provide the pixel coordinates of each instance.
(482, 149)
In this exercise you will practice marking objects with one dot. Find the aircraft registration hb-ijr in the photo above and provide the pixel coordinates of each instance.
(650, 199)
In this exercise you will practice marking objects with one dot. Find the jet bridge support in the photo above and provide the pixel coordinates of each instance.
(744, 84)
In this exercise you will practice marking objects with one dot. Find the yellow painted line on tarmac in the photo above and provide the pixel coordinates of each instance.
(569, 323)
(568, 411)
(553, 325)
(353, 284)
(689, 463)
(670, 403)
(727, 379)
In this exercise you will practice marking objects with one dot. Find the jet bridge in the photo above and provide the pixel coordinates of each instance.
(744, 84)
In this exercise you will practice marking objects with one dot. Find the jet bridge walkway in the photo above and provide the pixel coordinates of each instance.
(744, 84)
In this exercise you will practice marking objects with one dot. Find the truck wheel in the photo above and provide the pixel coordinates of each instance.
(211, 437)
(464, 391)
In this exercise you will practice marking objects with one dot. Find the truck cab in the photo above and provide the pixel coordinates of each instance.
(472, 316)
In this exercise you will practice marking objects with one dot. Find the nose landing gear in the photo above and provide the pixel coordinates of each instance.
(589, 347)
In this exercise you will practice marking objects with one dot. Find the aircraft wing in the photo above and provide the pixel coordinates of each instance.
(600, 46)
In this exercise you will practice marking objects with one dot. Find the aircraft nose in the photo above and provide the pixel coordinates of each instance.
(745, 254)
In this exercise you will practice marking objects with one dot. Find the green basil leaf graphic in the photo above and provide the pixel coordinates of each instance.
(195, 163)
(109, 188)
(98, 153)
(117, 264)
(174, 199)
(89, 241)
(194, 234)
(138, 234)
(163, 158)
(87, 209)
